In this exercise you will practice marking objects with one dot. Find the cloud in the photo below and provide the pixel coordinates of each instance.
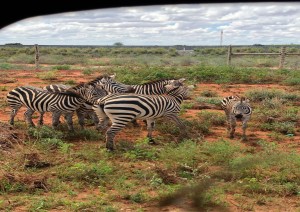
(185, 24)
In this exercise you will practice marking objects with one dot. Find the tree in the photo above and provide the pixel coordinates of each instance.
(118, 44)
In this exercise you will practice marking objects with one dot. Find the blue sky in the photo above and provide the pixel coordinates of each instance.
(182, 24)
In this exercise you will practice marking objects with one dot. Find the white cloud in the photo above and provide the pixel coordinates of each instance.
(186, 24)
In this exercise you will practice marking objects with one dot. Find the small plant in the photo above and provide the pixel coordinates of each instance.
(5, 66)
(141, 151)
(45, 132)
(87, 72)
(138, 197)
(91, 173)
(49, 75)
(61, 67)
(220, 152)
(70, 82)
(209, 100)
(214, 118)
(3, 88)
(209, 93)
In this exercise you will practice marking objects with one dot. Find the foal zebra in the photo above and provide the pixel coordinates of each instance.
(37, 100)
(123, 108)
(236, 109)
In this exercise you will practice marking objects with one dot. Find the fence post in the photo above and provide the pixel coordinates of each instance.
(282, 57)
(229, 55)
(37, 57)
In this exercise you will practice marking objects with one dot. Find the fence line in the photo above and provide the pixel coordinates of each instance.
(282, 54)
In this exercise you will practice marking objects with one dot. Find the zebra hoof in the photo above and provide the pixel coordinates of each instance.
(151, 141)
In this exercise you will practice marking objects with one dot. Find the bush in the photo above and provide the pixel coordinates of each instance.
(49, 75)
(91, 173)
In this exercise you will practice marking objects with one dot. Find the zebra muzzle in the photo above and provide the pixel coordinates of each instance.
(239, 116)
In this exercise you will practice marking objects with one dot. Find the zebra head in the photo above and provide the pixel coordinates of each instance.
(178, 82)
(179, 92)
(242, 108)
(92, 93)
(110, 85)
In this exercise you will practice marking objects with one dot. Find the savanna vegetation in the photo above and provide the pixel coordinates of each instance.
(46, 170)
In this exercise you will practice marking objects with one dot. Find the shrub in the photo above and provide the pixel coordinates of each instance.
(49, 75)
(91, 173)
(209, 93)
(220, 152)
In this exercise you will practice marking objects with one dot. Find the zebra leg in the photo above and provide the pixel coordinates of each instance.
(150, 127)
(103, 119)
(110, 135)
(95, 118)
(134, 122)
(41, 119)
(13, 113)
(69, 121)
(244, 127)
(179, 124)
(28, 117)
(80, 116)
(232, 127)
(55, 119)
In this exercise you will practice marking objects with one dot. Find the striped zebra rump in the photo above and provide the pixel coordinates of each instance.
(91, 93)
(123, 108)
(42, 101)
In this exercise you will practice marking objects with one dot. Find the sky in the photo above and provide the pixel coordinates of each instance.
(182, 24)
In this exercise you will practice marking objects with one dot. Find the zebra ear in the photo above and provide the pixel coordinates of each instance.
(191, 87)
(113, 76)
(181, 80)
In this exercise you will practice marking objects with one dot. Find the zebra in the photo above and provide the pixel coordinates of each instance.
(123, 108)
(149, 88)
(85, 109)
(56, 88)
(236, 109)
(42, 101)
(109, 83)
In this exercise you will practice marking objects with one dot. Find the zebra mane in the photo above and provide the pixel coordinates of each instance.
(70, 92)
(155, 81)
(94, 81)
(78, 86)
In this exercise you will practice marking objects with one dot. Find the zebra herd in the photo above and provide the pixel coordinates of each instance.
(104, 99)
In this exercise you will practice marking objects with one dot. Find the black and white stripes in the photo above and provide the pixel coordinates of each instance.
(41, 101)
(236, 109)
(123, 108)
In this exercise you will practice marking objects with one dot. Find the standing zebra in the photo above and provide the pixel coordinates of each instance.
(42, 101)
(85, 109)
(150, 88)
(123, 108)
(236, 109)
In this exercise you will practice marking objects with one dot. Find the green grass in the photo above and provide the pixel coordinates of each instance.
(48, 75)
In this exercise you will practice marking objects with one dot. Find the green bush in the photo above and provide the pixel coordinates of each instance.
(49, 75)
(91, 173)
(220, 152)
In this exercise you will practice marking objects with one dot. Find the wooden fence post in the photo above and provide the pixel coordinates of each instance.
(229, 55)
(282, 57)
(37, 57)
